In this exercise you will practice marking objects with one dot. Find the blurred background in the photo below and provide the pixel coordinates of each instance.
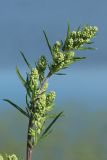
(82, 94)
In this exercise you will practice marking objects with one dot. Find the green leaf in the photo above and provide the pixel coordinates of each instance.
(28, 112)
(78, 58)
(86, 48)
(78, 29)
(51, 116)
(51, 124)
(48, 43)
(27, 101)
(61, 74)
(20, 77)
(65, 67)
(26, 61)
(48, 133)
(89, 42)
(68, 31)
(27, 85)
(17, 107)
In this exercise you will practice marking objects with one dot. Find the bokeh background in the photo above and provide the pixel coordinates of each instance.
(82, 94)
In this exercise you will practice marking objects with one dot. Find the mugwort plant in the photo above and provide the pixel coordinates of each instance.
(39, 102)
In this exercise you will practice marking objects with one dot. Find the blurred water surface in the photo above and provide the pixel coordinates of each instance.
(81, 134)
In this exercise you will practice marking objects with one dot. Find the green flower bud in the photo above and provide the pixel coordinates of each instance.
(33, 79)
(50, 98)
(45, 86)
(56, 66)
(95, 28)
(42, 63)
(41, 66)
(56, 46)
(34, 73)
(68, 44)
(32, 132)
(69, 55)
(39, 131)
(12, 157)
(68, 62)
(58, 57)
(89, 31)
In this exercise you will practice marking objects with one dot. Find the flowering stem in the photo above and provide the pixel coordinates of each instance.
(39, 103)
(30, 139)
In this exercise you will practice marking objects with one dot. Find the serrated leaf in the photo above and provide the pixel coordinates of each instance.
(26, 61)
(48, 43)
(20, 77)
(17, 107)
(51, 124)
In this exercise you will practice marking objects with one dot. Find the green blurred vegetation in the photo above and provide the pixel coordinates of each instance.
(79, 135)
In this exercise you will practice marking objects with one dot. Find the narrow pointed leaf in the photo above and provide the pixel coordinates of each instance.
(17, 107)
(68, 31)
(27, 110)
(27, 101)
(48, 133)
(62, 43)
(27, 85)
(48, 43)
(26, 61)
(51, 116)
(65, 67)
(89, 42)
(61, 74)
(78, 58)
(51, 124)
(20, 77)
(86, 48)
(78, 29)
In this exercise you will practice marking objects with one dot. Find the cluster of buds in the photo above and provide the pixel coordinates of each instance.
(43, 105)
(68, 58)
(33, 82)
(49, 100)
(60, 58)
(89, 32)
(77, 38)
(12, 157)
(9, 157)
(41, 66)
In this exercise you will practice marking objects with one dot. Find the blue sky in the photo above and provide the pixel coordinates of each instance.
(22, 23)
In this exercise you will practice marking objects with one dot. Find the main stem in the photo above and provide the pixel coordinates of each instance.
(29, 142)
(30, 139)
